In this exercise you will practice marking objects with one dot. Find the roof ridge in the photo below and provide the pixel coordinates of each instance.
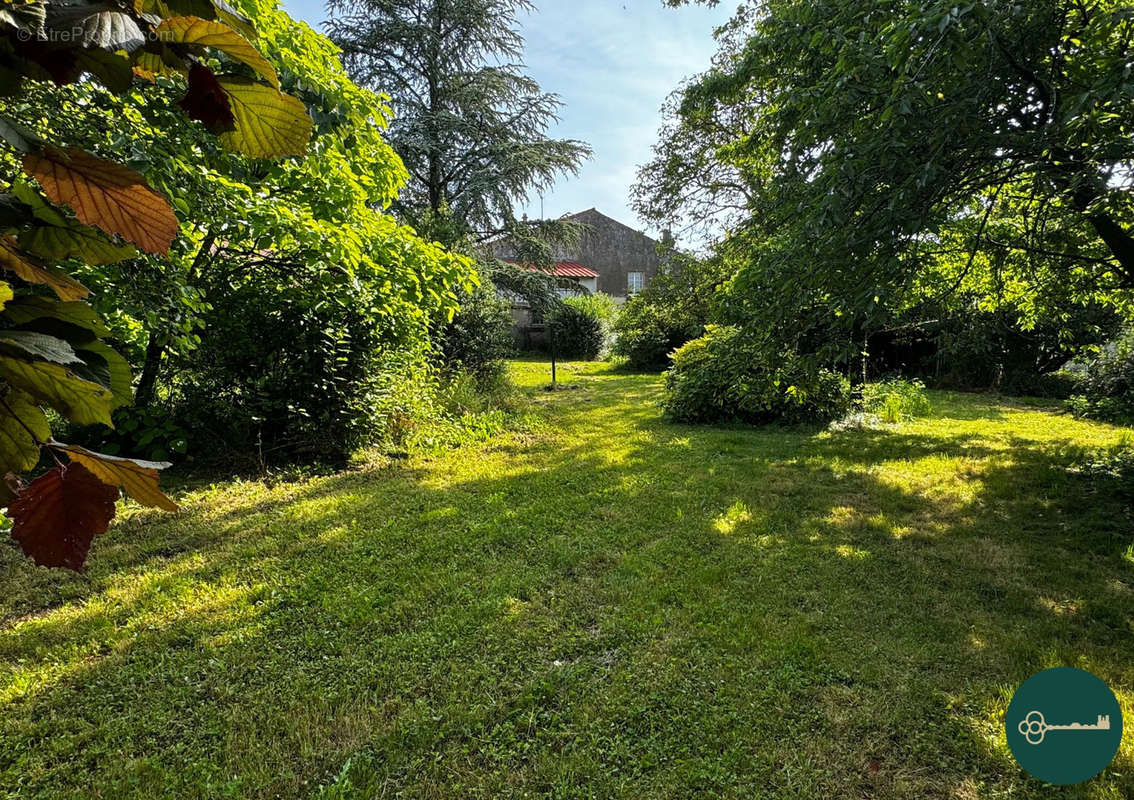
(615, 221)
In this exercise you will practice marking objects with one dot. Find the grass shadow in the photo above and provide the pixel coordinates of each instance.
(623, 607)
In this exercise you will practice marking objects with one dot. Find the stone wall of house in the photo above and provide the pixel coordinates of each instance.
(613, 250)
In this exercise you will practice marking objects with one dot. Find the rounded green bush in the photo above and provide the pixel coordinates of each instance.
(647, 333)
(728, 375)
(479, 337)
(578, 331)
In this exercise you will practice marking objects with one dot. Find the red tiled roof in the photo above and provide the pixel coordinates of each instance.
(561, 269)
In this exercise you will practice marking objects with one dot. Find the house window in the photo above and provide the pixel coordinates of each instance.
(633, 282)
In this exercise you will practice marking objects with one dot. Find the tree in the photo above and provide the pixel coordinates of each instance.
(52, 349)
(855, 149)
(71, 212)
(675, 308)
(301, 239)
(469, 125)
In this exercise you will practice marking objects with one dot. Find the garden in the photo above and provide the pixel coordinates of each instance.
(309, 493)
(598, 603)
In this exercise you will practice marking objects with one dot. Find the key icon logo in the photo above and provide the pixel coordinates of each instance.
(1034, 727)
(1065, 750)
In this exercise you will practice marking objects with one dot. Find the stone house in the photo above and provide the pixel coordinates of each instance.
(610, 257)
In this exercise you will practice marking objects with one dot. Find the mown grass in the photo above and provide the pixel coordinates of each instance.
(605, 605)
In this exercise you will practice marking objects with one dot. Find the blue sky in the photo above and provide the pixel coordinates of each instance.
(612, 62)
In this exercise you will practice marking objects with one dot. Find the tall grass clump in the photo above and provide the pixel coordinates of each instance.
(895, 399)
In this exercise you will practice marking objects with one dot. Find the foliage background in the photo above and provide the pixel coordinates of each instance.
(303, 247)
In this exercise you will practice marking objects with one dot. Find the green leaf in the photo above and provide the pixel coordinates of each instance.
(113, 69)
(40, 345)
(41, 209)
(54, 385)
(19, 137)
(20, 418)
(76, 241)
(268, 123)
(107, 367)
(228, 13)
(30, 307)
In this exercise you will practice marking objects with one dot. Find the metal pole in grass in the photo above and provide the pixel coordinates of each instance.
(551, 343)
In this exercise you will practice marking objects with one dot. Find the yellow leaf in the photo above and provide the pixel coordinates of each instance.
(138, 478)
(100, 356)
(149, 65)
(54, 385)
(197, 31)
(22, 427)
(64, 286)
(267, 123)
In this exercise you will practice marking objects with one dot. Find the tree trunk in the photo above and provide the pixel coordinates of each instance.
(155, 348)
(1120, 242)
(865, 350)
(147, 383)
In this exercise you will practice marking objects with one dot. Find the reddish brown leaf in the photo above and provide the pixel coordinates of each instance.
(55, 518)
(206, 102)
(104, 194)
(60, 64)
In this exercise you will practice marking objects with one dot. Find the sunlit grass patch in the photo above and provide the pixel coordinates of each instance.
(614, 606)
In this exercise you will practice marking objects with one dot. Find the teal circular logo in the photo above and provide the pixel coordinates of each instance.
(1064, 725)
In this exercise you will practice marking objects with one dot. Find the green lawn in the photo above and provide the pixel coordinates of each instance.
(605, 605)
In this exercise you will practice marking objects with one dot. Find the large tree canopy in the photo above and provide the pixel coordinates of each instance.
(324, 211)
(312, 224)
(468, 123)
(862, 154)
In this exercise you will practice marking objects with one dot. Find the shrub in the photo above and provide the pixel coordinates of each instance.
(1107, 385)
(577, 331)
(602, 307)
(977, 350)
(147, 432)
(401, 397)
(289, 368)
(895, 399)
(1058, 385)
(479, 337)
(673, 309)
(729, 375)
(646, 333)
